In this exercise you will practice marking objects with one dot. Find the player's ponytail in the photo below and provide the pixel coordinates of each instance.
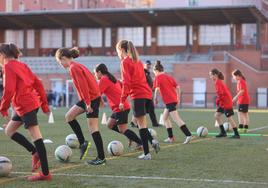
(68, 53)
(218, 73)
(104, 70)
(237, 72)
(10, 50)
(129, 49)
(158, 66)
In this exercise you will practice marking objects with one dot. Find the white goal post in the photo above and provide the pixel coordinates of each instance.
(71, 95)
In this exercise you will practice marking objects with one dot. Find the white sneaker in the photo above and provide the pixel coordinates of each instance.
(169, 140)
(145, 157)
(188, 139)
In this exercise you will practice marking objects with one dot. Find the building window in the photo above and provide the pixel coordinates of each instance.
(68, 38)
(70, 2)
(171, 36)
(134, 34)
(30, 39)
(217, 35)
(15, 37)
(9, 6)
(51, 38)
(148, 36)
(108, 37)
(90, 37)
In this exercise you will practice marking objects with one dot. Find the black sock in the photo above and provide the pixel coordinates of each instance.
(240, 126)
(77, 130)
(246, 126)
(144, 138)
(170, 133)
(115, 128)
(222, 129)
(235, 131)
(41, 150)
(185, 130)
(99, 144)
(20, 139)
(150, 137)
(132, 136)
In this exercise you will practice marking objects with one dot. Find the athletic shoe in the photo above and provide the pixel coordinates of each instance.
(170, 140)
(241, 130)
(235, 136)
(221, 135)
(145, 157)
(39, 177)
(84, 149)
(188, 139)
(97, 161)
(245, 130)
(155, 145)
(35, 162)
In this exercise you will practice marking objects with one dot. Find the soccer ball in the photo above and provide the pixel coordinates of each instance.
(227, 126)
(72, 141)
(152, 132)
(63, 153)
(115, 148)
(5, 166)
(202, 131)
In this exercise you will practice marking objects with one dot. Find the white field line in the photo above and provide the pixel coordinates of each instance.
(259, 128)
(156, 178)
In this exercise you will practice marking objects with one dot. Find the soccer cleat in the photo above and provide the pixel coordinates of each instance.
(35, 162)
(221, 135)
(155, 145)
(145, 157)
(245, 130)
(40, 177)
(240, 130)
(235, 136)
(188, 139)
(84, 149)
(97, 161)
(170, 140)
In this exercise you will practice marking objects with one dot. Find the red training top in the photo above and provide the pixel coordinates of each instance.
(84, 82)
(244, 98)
(134, 80)
(224, 97)
(167, 86)
(23, 89)
(113, 93)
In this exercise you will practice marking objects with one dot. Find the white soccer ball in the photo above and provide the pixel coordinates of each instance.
(63, 153)
(5, 166)
(227, 126)
(202, 131)
(152, 132)
(72, 141)
(115, 148)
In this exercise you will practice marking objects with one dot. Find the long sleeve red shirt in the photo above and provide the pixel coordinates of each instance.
(134, 80)
(84, 82)
(224, 97)
(22, 88)
(113, 93)
(244, 98)
(167, 87)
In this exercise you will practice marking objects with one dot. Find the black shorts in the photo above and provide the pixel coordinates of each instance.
(227, 112)
(29, 119)
(171, 106)
(243, 108)
(121, 117)
(95, 105)
(140, 107)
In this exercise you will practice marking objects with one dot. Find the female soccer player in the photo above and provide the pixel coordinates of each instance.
(27, 94)
(110, 87)
(170, 92)
(89, 96)
(243, 100)
(224, 103)
(135, 84)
